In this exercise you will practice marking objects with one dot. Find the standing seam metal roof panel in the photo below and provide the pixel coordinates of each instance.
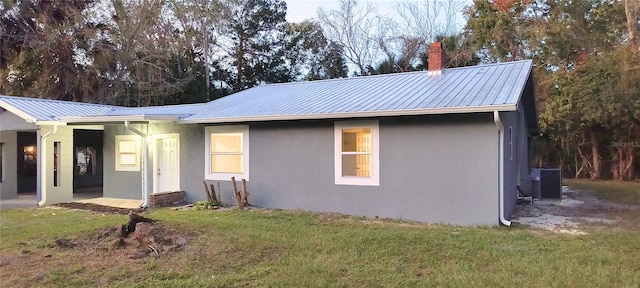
(51, 110)
(474, 86)
(487, 90)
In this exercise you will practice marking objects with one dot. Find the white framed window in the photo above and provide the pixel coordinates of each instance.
(357, 152)
(128, 153)
(227, 150)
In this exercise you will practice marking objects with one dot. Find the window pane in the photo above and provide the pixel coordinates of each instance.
(57, 149)
(226, 143)
(226, 163)
(127, 146)
(128, 159)
(356, 140)
(356, 165)
(85, 160)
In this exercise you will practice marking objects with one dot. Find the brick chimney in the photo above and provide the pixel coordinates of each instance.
(437, 59)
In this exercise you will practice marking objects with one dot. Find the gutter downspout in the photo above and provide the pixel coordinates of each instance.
(41, 154)
(496, 119)
(143, 165)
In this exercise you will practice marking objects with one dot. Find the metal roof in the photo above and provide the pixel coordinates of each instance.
(36, 110)
(484, 88)
(148, 113)
(460, 90)
(181, 109)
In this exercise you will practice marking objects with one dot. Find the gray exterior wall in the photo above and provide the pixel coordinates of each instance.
(128, 184)
(192, 157)
(517, 166)
(525, 153)
(439, 169)
(510, 160)
(118, 184)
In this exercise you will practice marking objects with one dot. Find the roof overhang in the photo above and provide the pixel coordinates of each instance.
(18, 112)
(413, 112)
(119, 118)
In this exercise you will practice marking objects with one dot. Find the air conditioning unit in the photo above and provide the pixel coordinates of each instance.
(547, 183)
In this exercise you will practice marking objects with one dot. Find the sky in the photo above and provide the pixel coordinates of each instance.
(298, 10)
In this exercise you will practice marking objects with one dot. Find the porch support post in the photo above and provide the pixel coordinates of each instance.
(144, 177)
(41, 174)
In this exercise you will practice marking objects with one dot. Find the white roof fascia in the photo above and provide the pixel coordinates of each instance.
(51, 123)
(18, 112)
(428, 111)
(119, 118)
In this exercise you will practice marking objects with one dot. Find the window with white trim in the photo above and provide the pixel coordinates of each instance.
(227, 150)
(357, 153)
(127, 153)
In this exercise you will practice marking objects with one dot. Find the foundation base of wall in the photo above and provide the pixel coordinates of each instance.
(164, 199)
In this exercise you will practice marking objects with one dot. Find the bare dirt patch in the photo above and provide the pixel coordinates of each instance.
(571, 214)
(147, 239)
(111, 252)
(98, 208)
(140, 237)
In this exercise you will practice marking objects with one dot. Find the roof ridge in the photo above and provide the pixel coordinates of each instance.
(165, 105)
(23, 98)
(392, 95)
(391, 74)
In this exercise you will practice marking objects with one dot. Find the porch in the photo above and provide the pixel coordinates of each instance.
(89, 196)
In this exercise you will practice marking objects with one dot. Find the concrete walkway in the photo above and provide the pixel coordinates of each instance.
(30, 201)
(22, 201)
(112, 202)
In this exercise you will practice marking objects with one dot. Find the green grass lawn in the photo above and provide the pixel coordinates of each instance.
(263, 248)
(613, 191)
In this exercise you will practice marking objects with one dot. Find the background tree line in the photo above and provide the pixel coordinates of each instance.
(587, 65)
(152, 52)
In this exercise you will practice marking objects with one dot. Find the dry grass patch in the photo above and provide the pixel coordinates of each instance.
(265, 248)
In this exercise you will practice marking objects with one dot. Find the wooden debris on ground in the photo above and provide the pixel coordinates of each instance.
(241, 197)
(210, 191)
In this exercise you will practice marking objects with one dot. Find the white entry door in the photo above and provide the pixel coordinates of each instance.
(167, 163)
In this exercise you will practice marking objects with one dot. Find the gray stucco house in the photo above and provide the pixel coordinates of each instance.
(440, 146)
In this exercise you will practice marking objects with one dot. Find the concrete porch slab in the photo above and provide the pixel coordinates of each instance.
(112, 202)
(30, 201)
(22, 201)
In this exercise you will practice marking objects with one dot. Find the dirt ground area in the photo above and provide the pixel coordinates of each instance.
(148, 240)
(143, 238)
(98, 208)
(572, 213)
